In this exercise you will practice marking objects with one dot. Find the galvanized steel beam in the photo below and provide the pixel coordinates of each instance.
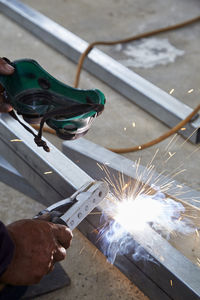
(166, 275)
(13, 178)
(52, 175)
(140, 91)
(172, 275)
(88, 156)
(18, 148)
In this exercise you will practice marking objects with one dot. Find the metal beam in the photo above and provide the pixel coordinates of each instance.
(52, 174)
(13, 178)
(140, 91)
(88, 155)
(169, 264)
(170, 276)
(32, 163)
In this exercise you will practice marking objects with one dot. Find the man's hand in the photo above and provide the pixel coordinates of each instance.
(38, 245)
(5, 69)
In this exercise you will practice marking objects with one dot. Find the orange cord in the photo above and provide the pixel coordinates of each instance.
(46, 129)
(160, 138)
(127, 40)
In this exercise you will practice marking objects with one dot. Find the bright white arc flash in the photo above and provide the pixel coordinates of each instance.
(161, 212)
(133, 214)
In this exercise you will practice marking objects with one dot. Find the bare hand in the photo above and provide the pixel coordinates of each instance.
(5, 69)
(38, 245)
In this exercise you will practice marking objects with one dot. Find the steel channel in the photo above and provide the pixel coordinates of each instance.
(125, 265)
(11, 177)
(88, 156)
(140, 91)
(170, 274)
(173, 267)
(32, 163)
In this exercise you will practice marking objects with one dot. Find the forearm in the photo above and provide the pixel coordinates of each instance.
(6, 249)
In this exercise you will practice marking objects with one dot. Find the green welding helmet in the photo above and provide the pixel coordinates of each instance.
(40, 98)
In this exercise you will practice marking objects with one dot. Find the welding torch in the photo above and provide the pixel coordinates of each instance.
(72, 210)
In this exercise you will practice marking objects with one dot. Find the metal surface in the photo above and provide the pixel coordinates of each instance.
(87, 201)
(73, 210)
(146, 95)
(11, 177)
(169, 264)
(32, 163)
(52, 174)
(88, 156)
(134, 273)
(165, 265)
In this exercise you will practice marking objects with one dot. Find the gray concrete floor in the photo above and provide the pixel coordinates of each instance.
(92, 277)
(118, 19)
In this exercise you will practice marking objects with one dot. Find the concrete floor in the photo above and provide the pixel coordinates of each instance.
(118, 19)
(92, 277)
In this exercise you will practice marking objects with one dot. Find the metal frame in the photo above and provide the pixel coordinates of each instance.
(63, 177)
(11, 177)
(140, 91)
(152, 278)
(172, 277)
(88, 156)
(32, 163)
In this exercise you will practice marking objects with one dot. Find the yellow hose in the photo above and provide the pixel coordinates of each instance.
(127, 40)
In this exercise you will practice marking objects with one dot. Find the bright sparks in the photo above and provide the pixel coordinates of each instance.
(136, 204)
(48, 172)
(15, 140)
(129, 215)
(142, 202)
(164, 214)
(134, 214)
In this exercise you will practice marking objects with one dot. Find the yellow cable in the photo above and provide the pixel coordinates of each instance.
(127, 40)
(160, 138)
